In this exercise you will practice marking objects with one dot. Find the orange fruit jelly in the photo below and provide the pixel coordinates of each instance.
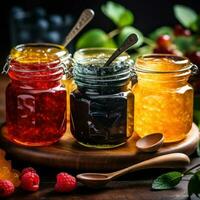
(163, 97)
(6, 171)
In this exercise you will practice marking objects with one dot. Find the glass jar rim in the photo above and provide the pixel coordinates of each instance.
(182, 61)
(61, 54)
(41, 44)
(83, 56)
(90, 67)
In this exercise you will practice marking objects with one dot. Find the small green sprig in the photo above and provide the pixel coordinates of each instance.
(171, 179)
(123, 20)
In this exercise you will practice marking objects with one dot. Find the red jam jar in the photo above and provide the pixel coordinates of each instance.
(35, 97)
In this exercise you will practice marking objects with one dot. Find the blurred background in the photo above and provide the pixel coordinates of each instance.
(23, 21)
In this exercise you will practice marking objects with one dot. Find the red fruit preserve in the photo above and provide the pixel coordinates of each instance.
(35, 98)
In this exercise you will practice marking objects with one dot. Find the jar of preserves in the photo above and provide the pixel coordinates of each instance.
(102, 104)
(163, 96)
(35, 98)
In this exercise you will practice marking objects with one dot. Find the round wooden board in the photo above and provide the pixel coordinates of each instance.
(67, 153)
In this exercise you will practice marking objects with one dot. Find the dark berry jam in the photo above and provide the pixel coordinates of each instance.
(35, 98)
(102, 105)
(100, 120)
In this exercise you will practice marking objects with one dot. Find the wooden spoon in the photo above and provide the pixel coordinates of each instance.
(173, 160)
(130, 41)
(85, 17)
(150, 143)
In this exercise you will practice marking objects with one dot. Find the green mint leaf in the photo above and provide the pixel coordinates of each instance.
(167, 181)
(164, 30)
(185, 15)
(118, 14)
(126, 31)
(194, 184)
(95, 38)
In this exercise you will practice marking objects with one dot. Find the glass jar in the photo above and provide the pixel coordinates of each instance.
(102, 104)
(163, 96)
(35, 98)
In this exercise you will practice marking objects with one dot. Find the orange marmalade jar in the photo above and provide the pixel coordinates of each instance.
(35, 97)
(163, 96)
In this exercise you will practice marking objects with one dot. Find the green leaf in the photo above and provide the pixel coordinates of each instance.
(167, 181)
(185, 15)
(194, 185)
(164, 30)
(126, 31)
(95, 38)
(118, 14)
(185, 44)
(145, 50)
(195, 26)
(125, 19)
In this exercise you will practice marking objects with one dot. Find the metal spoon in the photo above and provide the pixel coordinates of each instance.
(166, 161)
(85, 17)
(150, 143)
(130, 40)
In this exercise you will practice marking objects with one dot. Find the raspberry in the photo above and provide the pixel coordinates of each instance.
(164, 41)
(28, 169)
(6, 188)
(65, 182)
(30, 181)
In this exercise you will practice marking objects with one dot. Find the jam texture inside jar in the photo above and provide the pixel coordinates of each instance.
(102, 104)
(163, 97)
(35, 98)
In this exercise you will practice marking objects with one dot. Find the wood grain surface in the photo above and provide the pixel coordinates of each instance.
(68, 153)
(135, 186)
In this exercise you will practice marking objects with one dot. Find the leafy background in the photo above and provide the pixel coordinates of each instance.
(147, 16)
(123, 19)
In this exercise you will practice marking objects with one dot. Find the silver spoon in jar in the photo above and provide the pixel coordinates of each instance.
(85, 17)
(130, 41)
(172, 160)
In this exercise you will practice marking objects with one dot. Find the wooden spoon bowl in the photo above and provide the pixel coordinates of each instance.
(150, 143)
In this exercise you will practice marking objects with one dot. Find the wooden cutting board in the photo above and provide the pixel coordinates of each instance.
(67, 153)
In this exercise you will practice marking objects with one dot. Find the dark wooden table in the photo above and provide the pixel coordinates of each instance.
(135, 186)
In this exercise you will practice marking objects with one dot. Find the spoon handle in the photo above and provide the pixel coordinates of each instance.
(130, 40)
(166, 161)
(85, 17)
